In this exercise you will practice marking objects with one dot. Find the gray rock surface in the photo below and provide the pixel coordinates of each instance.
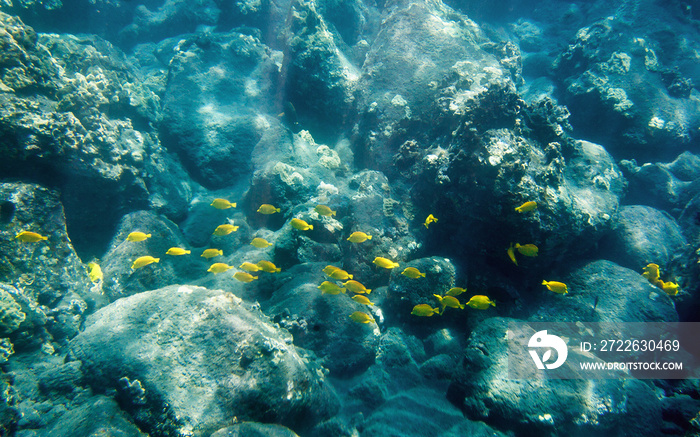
(190, 359)
(644, 235)
(572, 406)
(618, 294)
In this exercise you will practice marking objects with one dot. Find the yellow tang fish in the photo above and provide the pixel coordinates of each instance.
(385, 263)
(340, 274)
(222, 204)
(144, 261)
(95, 272)
(249, 267)
(330, 269)
(511, 254)
(324, 210)
(211, 253)
(359, 237)
(30, 237)
(328, 287)
(448, 301)
(260, 243)
(455, 291)
(424, 310)
(222, 230)
(527, 206)
(244, 277)
(301, 225)
(527, 249)
(177, 251)
(413, 273)
(219, 268)
(480, 302)
(360, 317)
(266, 209)
(557, 287)
(361, 299)
(430, 219)
(651, 272)
(356, 287)
(267, 266)
(137, 236)
(671, 288)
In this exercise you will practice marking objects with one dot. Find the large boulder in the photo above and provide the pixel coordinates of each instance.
(604, 291)
(645, 235)
(75, 116)
(484, 390)
(189, 359)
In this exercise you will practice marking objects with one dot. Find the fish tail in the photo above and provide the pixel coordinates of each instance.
(278, 210)
(369, 237)
(311, 227)
(544, 282)
(157, 260)
(148, 235)
(350, 276)
(332, 212)
(493, 303)
(423, 275)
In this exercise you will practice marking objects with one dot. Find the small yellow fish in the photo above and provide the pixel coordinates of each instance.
(480, 302)
(359, 237)
(340, 274)
(222, 230)
(244, 277)
(324, 210)
(424, 310)
(301, 225)
(30, 237)
(455, 291)
(137, 236)
(211, 253)
(360, 317)
(448, 301)
(219, 268)
(260, 243)
(266, 209)
(330, 269)
(671, 288)
(362, 299)
(356, 287)
(557, 287)
(267, 266)
(527, 206)
(144, 261)
(385, 263)
(95, 272)
(511, 254)
(651, 272)
(249, 267)
(176, 251)
(222, 204)
(328, 287)
(527, 249)
(413, 273)
(430, 219)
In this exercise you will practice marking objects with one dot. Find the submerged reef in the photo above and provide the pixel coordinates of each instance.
(319, 218)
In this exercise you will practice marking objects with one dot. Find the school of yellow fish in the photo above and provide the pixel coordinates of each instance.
(245, 274)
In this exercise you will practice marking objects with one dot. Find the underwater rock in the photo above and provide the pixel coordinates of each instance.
(417, 412)
(405, 292)
(482, 389)
(254, 429)
(94, 416)
(85, 128)
(644, 235)
(617, 293)
(121, 280)
(320, 322)
(630, 92)
(220, 86)
(47, 274)
(200, 358)
(318, 77)
(455, 84)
